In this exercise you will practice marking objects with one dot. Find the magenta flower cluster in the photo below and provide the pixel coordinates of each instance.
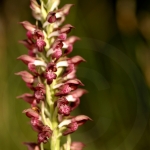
(51, 77)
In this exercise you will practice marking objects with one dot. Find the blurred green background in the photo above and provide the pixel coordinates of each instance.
(116, 44)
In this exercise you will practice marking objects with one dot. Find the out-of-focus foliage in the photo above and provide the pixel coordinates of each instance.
(116, 44)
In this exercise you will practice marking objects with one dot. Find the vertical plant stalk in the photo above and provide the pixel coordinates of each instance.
(51, 77)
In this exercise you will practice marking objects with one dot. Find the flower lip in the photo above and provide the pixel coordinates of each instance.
(50, 75)
(40, 43)
(64, 109)
(45, 134)
(51, 66)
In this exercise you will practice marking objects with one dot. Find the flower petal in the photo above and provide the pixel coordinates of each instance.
(28, 26)
(32, 146)
(27, 97)
(77, 146)
(76, 60)
(31, 113)
(26, 76)
(26, 59)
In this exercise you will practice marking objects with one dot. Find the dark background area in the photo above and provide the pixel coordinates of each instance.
(116, 44)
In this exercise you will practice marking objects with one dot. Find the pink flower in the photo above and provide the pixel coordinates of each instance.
(44, 134)
(53, 16)
(50, 75)
(63, 107)
(37, 124)
(73, 123)
(62, 32)
(40, 43)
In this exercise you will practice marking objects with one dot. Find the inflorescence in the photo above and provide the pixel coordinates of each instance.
(51, 77)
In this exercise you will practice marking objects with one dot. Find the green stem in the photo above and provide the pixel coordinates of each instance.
(41, 146)
(55, 140)
(68, 142)
(43, 114)
(49, 98)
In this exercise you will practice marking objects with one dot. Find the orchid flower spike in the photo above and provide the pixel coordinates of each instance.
(51, 77)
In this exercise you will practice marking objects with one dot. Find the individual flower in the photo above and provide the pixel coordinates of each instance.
(73, 123)
(44, 134)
